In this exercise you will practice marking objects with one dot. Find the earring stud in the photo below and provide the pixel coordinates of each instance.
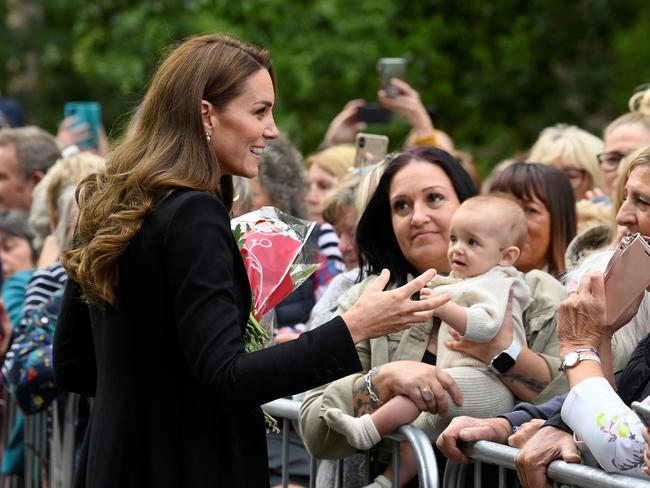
(208, 136)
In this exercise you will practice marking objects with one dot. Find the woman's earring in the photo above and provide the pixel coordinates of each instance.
(208, 136)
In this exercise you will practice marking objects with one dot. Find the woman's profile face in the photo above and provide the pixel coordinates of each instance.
(241, 130)
(535, 253)
(634, 214)
(422, 201)
(320, 184)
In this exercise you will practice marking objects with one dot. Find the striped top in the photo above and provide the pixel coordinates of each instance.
(42, 287)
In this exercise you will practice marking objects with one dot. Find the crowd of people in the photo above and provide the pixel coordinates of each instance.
(474, 310)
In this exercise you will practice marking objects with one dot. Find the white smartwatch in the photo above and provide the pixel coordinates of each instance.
(505, 360)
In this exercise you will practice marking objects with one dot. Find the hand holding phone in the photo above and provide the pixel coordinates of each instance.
(88, 114)
(389, 68)
(373, 113)
(626, 276)
(371, 148)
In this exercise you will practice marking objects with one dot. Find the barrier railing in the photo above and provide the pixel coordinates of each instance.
(558, 471)
(287, 410)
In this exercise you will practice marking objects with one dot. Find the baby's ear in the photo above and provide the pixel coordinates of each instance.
(509, 256)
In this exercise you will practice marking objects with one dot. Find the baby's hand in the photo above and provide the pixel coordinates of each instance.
(426, 293)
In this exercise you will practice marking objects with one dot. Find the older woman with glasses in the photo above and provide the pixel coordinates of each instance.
(626, 134)
(574, 152)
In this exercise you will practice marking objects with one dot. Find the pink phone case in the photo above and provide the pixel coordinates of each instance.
(627, 275)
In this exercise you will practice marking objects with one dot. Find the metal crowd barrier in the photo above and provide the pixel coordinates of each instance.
(456, 475)
(287, 410)
(49, 443)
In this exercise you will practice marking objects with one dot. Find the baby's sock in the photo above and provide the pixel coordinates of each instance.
(359, 432)
(380, 482)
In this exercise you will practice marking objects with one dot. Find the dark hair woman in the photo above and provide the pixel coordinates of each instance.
(546, 196)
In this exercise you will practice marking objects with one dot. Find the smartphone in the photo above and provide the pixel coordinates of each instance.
(86, 113)
(643, 411)
(626, 275)
(373, 113)
(391, 68)
(371, 148)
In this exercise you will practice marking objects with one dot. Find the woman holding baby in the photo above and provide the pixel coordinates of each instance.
(406, 228)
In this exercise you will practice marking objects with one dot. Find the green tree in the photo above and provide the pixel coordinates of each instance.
(498, 72)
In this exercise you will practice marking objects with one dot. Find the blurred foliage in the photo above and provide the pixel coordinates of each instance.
(498, 72)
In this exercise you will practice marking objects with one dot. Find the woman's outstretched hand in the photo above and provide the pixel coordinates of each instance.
(377, 312)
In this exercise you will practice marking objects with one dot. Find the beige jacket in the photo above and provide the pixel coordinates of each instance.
(325, 443)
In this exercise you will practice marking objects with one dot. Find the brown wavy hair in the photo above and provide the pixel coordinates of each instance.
(164, 148)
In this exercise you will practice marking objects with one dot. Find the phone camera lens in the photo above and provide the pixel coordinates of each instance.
(362, 142)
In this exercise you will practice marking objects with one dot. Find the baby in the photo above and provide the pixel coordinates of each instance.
(486, 236)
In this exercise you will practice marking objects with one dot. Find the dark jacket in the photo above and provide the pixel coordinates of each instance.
(176, 398)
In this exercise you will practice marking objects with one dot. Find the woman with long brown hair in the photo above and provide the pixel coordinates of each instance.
(153, 318)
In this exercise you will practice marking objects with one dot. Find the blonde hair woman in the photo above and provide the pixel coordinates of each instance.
(574, 152)
(154, 318)
(324, 170)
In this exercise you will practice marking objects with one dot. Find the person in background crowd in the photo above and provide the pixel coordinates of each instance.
(575, 153)
(25, 156)
(11, 113)
(242, 200)
(624, 135)
(324, 170)
(18, 258)
(138, 275)
(547, 199)
(57, 187)
(282, 180)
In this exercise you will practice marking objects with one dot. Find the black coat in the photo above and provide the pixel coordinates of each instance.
(176, 398)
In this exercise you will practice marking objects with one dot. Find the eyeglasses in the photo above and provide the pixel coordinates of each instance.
(575, 176)
(609, 161)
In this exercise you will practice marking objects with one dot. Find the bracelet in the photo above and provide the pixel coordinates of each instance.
(588, 349)
(371, 390)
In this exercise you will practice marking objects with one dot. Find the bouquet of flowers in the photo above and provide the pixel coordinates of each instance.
(277, 260)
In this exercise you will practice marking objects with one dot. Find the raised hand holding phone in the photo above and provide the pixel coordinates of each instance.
(626, 279)
(371, 148)
(87, 121)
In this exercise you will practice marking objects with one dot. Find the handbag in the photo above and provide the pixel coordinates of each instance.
(627, 275)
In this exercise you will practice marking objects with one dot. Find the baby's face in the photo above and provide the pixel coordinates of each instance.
(475, 242)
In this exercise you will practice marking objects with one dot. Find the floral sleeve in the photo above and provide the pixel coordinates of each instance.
(27, 369)
(608, 427)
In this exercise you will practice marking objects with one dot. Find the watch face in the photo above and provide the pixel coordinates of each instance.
(570, 359)
(503, 362)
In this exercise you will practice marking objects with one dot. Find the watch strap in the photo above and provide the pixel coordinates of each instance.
(510, 355)
(514, 349)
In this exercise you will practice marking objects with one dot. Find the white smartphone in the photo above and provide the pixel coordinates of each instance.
(371, 148)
